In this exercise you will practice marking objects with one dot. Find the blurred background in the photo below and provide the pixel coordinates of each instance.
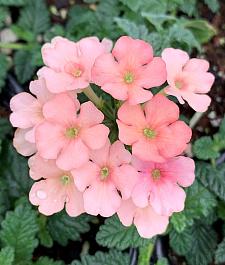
(195, 236)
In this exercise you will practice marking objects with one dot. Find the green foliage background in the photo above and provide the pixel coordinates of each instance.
(163, 23)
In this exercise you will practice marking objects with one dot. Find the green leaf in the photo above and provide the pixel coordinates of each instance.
(202, 30)
(35, 17)
(43, 234)
(214, 5)
(14, 170)
(7, 256)
(212, 178)
(63, 227)
(179, 221)
(24, 65)
(181, 242)
(204, 148)
(5, 126)
(19, 230)
(113, 257)
(162, 261)
(3, 72)
(189, 7)
(157, 20)
(220, 253)
(3, 15)
(222, 127)
(13, 2)
(48, 261)
(113, 234)
(204, 241)
(199, 202)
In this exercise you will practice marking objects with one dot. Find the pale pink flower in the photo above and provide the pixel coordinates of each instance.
(55, 188)
(27, 114)
(67, 136)
(155, 132)
(188, 79)
(68, 63)
(101, 178)
(128, 70)
(159, 184)
(146, 220)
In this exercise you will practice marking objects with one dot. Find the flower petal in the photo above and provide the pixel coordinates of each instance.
(128, 134)
(21, 145)
(199, 103)
(126, 212)
(138, 95)
(196, 65)
(118, 154)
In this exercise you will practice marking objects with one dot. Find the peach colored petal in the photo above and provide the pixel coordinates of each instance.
(118, 154)
(101, 156)
(21, 145)
(128, 134)
(73, 155)
(138, 95)
(126, 212)
(134, 50)
(105, 197)
(141, 192)
(196, 65)
(39, 89)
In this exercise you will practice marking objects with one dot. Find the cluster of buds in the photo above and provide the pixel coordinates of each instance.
(75, 164)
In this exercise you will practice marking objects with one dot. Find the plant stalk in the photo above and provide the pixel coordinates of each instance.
(89, 92)
(145, 254)
(14, 46)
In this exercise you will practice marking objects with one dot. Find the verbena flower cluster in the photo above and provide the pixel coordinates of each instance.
(139, 176)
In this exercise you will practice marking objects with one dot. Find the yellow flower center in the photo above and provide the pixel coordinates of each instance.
(156, 174)
(71, 132)
(65, 179)
(77, 73)
(104, 173)
(149, 133)
(128, 78)
(178, 84)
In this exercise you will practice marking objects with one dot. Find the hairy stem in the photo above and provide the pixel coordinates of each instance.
(145, 254)
(14, 46)
(89, 92)
(195, 119)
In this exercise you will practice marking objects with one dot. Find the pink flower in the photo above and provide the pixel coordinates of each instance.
(101, 178)
(188, 79)
(159, 184)
(128, 70)
(27, 114)
(55, 190)
(67, 136)
(69, 64)
(147, 221)
(155, 132)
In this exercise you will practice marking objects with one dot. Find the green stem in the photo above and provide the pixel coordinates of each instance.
(14, 46)
(145, 254)
(89, 92)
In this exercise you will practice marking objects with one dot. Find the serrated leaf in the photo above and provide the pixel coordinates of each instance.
(202, 30)
(205, 149)
(157, 20)
(179, 221)
(43, 234)
(199, 202)
(3, 72)
(204, 241)
(220, 253)
(212, 178)
(19, 230)
(162, 261)
(214, 5)
(24, 65)
(13, 2)
(63, 227)
(113, 234)
(14, 170)
(7, 256)
(48, 261)
(181, 242)
(3, 14)
(35, 17)
(113, 257)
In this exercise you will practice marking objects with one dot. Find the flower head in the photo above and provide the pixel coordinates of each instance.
(159, 184)
(147, 221)
(101, 178)
(68, 64)
(128, 70)
(55, 188)
(188, 79)
(27, 114)
(67, 136)
(155, 132)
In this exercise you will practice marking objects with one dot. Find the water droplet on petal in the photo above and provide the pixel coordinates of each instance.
(41, 194)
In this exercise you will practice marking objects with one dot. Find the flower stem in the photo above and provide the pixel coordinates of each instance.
(145, 254)
(14, 46)
(195, 119)
(89, 92)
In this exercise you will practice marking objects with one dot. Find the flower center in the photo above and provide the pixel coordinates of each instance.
(128, 78)
(77, 73)
(178, 84)
(72, 132)
(65, 179)
(156, 174)
(149, 133)
(104, 173)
